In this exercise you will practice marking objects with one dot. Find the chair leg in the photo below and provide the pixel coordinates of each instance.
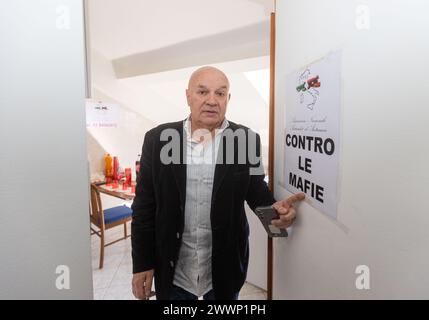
(125, 230)
(101, 249)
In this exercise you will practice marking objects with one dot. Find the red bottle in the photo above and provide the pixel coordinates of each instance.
(115, 168)
(128, 176)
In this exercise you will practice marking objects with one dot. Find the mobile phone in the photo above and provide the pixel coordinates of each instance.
(266, 214)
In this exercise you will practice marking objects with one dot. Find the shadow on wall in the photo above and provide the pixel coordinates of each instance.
(95, 153)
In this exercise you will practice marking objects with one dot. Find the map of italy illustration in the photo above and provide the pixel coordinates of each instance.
(308, 85)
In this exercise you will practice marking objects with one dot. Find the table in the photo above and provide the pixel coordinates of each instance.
(117, 192)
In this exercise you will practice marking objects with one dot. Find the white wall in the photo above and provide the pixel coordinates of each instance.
(44, 220)
(383, 219)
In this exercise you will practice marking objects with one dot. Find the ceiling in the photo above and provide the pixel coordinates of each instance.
(120, 28)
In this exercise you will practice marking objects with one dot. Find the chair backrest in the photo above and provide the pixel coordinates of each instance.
(96, 212)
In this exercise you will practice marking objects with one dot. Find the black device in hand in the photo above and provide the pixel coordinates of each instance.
(266, 214)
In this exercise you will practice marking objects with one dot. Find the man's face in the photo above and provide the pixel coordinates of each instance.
(208, 96)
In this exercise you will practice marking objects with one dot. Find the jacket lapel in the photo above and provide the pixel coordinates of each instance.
(179, 170)
(222, 167)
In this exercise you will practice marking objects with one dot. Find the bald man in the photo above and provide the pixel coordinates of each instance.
(189, 227)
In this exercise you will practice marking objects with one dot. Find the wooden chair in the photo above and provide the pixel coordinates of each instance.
(106, 219)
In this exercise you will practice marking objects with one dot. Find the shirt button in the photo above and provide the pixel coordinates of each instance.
(178, 235)
(172, 264)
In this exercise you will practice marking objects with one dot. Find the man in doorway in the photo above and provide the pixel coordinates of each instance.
(189, 227)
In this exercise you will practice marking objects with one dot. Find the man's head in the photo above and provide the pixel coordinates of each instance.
(208, 96)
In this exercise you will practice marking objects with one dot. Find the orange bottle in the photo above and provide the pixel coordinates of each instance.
(108, 170)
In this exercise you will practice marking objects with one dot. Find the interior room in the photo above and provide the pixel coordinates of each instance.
(140, 67)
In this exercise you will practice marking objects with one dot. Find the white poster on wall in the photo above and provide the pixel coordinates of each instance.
(312, 135)
(101, 115)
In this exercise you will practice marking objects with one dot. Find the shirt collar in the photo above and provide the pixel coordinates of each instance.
(187, 126)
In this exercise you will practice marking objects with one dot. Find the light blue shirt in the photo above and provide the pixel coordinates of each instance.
(194, 268)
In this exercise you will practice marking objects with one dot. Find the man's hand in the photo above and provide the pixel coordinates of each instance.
(142, 284)
(286, 210)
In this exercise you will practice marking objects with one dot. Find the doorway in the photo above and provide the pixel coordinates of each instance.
(140, 66)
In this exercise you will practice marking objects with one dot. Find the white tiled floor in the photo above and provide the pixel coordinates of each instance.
(113, 282)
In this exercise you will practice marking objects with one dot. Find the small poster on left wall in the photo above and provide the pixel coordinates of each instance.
(101, 115)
